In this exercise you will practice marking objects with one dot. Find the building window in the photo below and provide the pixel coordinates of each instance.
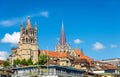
(23, 33)
(26, 32)
(31, 40)
(26, 40)
(23, 40)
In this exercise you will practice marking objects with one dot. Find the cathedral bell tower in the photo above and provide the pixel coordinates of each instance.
(28, 45)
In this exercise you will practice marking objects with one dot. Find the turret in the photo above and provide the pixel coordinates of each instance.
(28, 24)
(35, 27)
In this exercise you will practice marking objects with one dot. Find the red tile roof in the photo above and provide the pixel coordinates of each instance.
(54, 54)
(1, 62)
(81, 54)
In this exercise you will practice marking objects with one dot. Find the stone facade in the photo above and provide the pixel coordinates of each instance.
(27, 45)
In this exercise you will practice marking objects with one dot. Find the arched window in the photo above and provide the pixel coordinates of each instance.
(31, 40)
(31, 33)
(26, 40)
(23, 40)
(26, 32)
(23, 33)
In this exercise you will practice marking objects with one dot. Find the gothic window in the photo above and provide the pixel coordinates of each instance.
(26, 40)
(31, 40)
(26, 32)
(23, 33)
(23, 40)
(31, 33)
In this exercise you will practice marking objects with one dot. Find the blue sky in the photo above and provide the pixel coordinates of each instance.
(92, 25)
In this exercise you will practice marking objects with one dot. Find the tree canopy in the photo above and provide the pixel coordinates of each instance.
(23, 62)
(42, 59)
(5, 63)
(16, 62)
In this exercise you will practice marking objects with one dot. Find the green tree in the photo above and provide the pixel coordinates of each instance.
(24, 62)
(29, 61)
(5, 63)
(42, 59)
(16, 62)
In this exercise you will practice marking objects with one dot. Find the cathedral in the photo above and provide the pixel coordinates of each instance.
(63, 55)
(28, 48)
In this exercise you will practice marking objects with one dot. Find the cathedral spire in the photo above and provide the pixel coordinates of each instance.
(62, 36)
(28, 25)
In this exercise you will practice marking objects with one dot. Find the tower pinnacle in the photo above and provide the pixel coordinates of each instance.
(28, 25)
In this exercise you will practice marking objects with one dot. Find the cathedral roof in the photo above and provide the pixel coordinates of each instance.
(81, 53)
(86, 57)
(54, 54)
(77, 51)
(28, 25)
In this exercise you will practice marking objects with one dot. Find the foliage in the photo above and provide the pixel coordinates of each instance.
(5, 63)
(24, 62)
(29, 61)
(42, 59)
(16, 62)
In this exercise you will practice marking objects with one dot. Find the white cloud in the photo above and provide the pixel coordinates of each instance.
(6, 23)
(4, 55)
(113, 46)
(44, 13)
(77, 41)
(11, 38)
(15, 20)
(98, 46)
